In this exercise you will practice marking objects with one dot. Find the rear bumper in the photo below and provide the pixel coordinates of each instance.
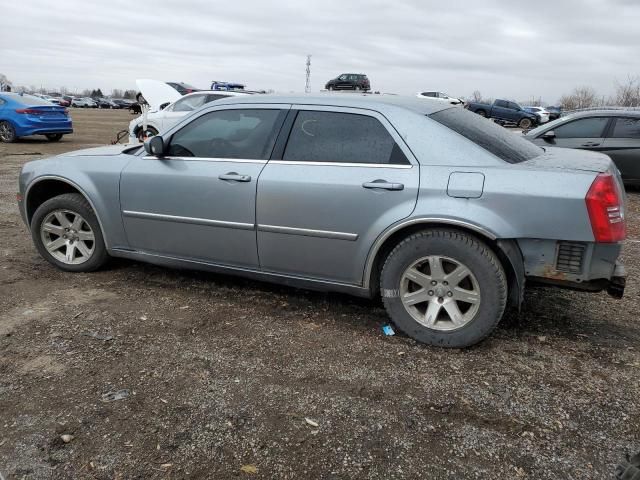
(29, 126)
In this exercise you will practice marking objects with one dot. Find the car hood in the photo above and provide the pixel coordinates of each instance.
(105, 151)
(570, 159)
(156, 93)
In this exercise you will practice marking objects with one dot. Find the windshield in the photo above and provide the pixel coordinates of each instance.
(506, 145)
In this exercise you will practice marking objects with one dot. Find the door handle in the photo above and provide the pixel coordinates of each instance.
(234, 177)
(384, 185)
(590, 144)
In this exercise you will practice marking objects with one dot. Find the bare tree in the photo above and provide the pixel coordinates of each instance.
(5, 83)
(476, 96)
(581, 97)
(116, 93)
(628, 92)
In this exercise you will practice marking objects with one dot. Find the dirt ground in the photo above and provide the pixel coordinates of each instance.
(232, 378)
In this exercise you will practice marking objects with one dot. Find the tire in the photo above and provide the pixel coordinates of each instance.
(150, 133)
(482, 113)
(330, 88)
(54, 137)
(87, 248)
(477, 298)
(525, 123)
(7, 133)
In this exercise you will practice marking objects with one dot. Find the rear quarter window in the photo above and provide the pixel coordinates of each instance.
(506, 145)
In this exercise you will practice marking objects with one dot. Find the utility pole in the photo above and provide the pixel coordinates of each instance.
(307, 87)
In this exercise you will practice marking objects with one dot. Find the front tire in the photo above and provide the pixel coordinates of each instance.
(525, 123)
(444, 288)
(54, 137)
(7, 133)
(67, 234)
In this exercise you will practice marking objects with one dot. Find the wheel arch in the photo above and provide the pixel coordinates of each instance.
(45, 188)
(506, 250)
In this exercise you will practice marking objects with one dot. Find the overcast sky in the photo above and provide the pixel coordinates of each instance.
(504, 48)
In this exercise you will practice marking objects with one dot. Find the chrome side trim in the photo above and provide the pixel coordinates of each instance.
(206, 159)
(192, 220)
(373, 252)
(352, 237)
(74, 185)
(338, 164)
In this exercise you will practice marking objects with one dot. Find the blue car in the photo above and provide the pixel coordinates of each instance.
(23, 115)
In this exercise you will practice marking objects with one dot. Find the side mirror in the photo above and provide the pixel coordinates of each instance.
(549, 136)
(155, 146)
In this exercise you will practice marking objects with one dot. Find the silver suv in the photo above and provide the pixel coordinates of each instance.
(439, 211)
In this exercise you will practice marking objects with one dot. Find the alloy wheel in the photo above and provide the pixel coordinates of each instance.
(440, 293)
(67, 237)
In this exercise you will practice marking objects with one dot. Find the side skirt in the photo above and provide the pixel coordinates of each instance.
(288, 280)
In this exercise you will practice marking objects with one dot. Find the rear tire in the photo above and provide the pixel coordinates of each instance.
(482, 113)
(7, 133)
(330, 88)
(67, 234)
(54, 137)
(444, 288)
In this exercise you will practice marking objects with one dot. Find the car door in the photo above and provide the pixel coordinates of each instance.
(500, 110)
(622, 144)
(342, 82)
(344, 176)
(198, 202)
(584, 133)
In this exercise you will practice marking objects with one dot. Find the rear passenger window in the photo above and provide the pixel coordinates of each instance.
(341, 138)
(583, 128)
(626, 128)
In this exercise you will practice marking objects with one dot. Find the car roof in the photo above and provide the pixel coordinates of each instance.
(608, 112)
(366, 101)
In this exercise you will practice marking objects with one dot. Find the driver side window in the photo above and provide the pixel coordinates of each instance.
(242, 134)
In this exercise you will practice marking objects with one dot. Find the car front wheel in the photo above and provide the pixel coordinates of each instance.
(67, 234)
(444, 288)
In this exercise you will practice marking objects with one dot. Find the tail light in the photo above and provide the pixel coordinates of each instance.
(605, 207)
(28, 111)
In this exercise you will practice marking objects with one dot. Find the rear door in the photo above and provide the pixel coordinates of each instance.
(343, 177)
(584, 133)
(622, 144)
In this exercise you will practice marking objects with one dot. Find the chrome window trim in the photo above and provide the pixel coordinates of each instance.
(191, 220)
(338, 164)
(352, 237)
(207, 159)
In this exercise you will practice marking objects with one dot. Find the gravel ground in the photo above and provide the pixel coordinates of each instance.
(232, 378)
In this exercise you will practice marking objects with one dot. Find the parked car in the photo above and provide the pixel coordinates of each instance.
(554, 112)
(615, 133)
(105, 103)
(84, 102)
(417, 201)
(540, 112)
(24, 115)
(61, 101)
(122, 102)
(505, 111)
(226, 86)
(183, 88)
(163, 114)
(349, 81)
(443, 97)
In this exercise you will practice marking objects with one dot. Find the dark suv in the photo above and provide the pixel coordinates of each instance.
(349, 81)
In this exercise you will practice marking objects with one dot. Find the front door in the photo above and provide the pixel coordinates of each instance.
(198, 202)
(623, 146)
(343, 178)
(584, 133)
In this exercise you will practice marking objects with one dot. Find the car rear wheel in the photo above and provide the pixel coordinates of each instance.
(444, 288)
(330, 88)
(482, 113)
(67, 234)
(525, 123)
(54, 137)
(7, 132)
(142, 135)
